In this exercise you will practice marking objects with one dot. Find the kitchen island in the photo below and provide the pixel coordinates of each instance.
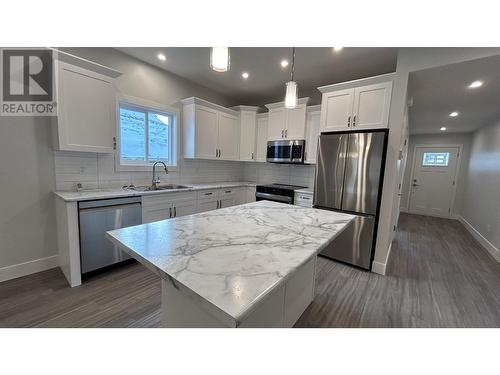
(251, 265)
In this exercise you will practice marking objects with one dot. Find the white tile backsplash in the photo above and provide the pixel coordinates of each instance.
(97, 171)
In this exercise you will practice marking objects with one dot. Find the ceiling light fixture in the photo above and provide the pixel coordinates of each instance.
(162, 57)
(220, 61)
(443, 128)
(244, 75)
(291, 87)
(453, 114)
(338, 49)
(284, 63)
(475, 84)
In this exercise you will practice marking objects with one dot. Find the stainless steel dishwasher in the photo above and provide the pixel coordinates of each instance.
(97, 217)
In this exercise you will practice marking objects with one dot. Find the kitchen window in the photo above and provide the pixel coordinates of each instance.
(147, 132)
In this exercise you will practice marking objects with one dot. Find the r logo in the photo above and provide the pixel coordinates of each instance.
(27, 75)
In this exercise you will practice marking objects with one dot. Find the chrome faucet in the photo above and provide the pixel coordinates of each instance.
(156, 179)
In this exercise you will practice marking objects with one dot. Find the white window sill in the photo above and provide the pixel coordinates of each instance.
(143, 168)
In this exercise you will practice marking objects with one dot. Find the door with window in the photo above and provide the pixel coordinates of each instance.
(432, 187)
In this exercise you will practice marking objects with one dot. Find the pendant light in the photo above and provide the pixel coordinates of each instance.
(219, 59)
(291, 87)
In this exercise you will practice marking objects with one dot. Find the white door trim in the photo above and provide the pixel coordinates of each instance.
(454, 191)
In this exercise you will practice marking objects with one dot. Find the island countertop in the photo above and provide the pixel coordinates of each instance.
(229, 259)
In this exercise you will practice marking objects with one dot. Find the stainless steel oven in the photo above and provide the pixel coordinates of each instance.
(290, 152)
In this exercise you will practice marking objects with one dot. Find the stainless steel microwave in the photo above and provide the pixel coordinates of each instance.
(291, 152)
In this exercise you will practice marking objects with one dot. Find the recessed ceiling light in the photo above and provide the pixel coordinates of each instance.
(162, 57)
(244, 75)
(453, 114)
(338, 49)
(475, 84)
(443, 128)
(284, 63)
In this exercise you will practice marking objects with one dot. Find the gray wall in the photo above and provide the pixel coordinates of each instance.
(439, 139)
(27, 219)
(27, 176)
(482, 194)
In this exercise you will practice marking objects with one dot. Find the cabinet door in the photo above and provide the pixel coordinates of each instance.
(296, 123)
(247, 136)
(86, 110)
(228, 137)
(156, 214)
(250, 194)
(184, 208)
(227, 201)
(276, 124)
(312, 133)
(207, 205)
(206, 132)
(371, 106)
(261, 148)
(336, 110)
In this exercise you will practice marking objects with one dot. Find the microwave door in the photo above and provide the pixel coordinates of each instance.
(328, 186)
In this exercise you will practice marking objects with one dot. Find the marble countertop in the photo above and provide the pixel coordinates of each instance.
(85, 195)
(229, 259)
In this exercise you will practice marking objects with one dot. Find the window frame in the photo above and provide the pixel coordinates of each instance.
(132, 102)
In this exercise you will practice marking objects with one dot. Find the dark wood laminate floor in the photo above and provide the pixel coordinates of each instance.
(438, 276)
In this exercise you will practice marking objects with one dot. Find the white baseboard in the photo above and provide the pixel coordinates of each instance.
(22, 269)
(403, 209)
(379, 267)
(490, 248)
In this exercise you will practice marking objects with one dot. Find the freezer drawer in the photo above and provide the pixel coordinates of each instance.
(354, 244)
(98, 217)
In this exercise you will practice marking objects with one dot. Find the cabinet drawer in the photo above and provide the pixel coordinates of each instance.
(157, 200)
(305, 200)
(225, 192)
(207, 194)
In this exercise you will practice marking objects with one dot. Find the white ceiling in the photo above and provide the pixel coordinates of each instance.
(439, 91)
(313, 67)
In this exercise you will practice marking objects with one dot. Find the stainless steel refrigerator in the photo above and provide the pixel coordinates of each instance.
(349, 176)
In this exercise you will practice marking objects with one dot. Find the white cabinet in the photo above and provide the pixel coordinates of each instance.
(250, 194)
(210, 131)
(168, 205)
(304, 199)
(261, 146)
(86, 110)
(357, 107)
(312, 133)
(248, 132)
(286, 123)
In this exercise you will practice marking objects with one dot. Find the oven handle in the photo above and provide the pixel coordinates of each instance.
(274, 197)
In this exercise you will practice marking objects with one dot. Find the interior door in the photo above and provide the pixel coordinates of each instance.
(296, 123)
(276, 124)
(336, 110)
(433, 182)
(371, 106)
(206, 132)
(328, 185)
(228, 137)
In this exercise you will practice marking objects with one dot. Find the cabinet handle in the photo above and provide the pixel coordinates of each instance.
(349, 122)
(175, 212)
(286, 133)
(282, 133)
(217, 203)
(354, 121)
(305, 155)
(170, 212)
(252, 155)
(208, 193)
(228, 191)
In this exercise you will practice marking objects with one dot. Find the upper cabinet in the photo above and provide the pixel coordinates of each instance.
(357, 104)
(210, 131)
(261, 146)
(313, 116)
(286, 123)
(86, 110)
(248, 132)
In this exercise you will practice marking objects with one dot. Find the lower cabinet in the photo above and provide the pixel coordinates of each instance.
(303, 199)
(169, 205)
